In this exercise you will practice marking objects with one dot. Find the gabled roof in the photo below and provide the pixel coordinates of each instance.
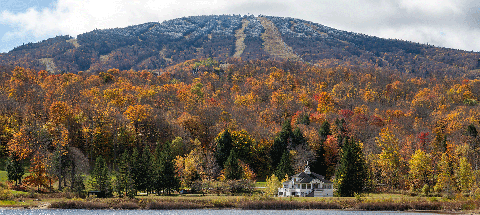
(307, 178)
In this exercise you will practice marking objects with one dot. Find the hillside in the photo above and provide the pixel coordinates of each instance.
(154, 46)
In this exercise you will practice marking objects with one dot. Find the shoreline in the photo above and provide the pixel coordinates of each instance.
(370, 202)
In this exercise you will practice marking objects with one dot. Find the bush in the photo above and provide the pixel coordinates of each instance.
(173, 205)
(5, 194)
(79, 205)
(287, 205)
(223, 187)
(126, 206)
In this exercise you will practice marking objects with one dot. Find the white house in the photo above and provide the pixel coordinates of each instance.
(307, 184)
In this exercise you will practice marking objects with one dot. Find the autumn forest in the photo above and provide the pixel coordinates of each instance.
(414, 132)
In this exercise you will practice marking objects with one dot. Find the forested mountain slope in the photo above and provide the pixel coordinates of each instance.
(154, 46)
(270, 109)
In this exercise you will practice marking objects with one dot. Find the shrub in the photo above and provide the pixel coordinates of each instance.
(173, 205)
(126, 206)
(79, 205)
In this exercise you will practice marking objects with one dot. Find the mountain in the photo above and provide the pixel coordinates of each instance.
(154, 46)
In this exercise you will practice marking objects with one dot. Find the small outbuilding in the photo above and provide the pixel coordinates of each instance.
(306, 184)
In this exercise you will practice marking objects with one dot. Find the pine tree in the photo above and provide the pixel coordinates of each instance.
(101, 176)
(224, 145)
(233, 170)
(124, 185)
(351, 175)
(146, 169)
(285, 165)
(164, 174)
(472, 131)
(297, 138)
(136, 169)
(281, 143)
(324, 131)
(15, 170)
(319, 166)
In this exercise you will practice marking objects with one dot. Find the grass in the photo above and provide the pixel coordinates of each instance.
(260, 184)
(367, 202)
(3, 176)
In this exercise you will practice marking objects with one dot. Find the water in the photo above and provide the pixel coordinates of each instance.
(196, 212)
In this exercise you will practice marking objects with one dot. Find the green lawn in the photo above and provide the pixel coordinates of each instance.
(3, 176)
(260, 184)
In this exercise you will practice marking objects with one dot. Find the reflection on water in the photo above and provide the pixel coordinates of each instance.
(197, 212)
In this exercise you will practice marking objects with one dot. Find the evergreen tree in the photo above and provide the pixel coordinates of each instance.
(224, 144)
(101, 176)
(324, 131)
(319, 166)
(297, 138)
(141, 173)
(233, 170)
(146, 168)
(281, 143)
(472, 131)
(164, 178)
(351, 175)
(15, 170)
(285, 165)
(136, 170)
(124, 185)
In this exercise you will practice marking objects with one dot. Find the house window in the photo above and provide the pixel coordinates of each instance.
(280, 193)
(304, 186)
(309, 186)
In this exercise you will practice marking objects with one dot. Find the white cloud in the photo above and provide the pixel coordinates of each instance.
(421, 21)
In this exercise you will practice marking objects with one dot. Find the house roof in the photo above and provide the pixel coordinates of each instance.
(307, 178)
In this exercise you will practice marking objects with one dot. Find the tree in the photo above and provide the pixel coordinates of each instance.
(224, 144)
(464, 175)
(146, 161)
(472, 131)
(141, 169)
(421, 169)
(389, 160)
(319, 166)
(233, 170)
(124, 184)
(164, 174)
(324, 131)
(351, 175)
(101, 176)
(297, 138)
(15, 170)
(272, 185)
(38, 172)
(285, 165)
(281, 143)
(445, 177)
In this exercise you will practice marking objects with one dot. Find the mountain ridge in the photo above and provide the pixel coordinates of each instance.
(155, 45)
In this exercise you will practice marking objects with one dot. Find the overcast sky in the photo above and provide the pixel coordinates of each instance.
(446, 23)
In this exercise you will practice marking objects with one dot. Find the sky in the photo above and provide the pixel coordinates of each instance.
(445, 23)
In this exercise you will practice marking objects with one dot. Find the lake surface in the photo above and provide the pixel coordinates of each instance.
(196, 212)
